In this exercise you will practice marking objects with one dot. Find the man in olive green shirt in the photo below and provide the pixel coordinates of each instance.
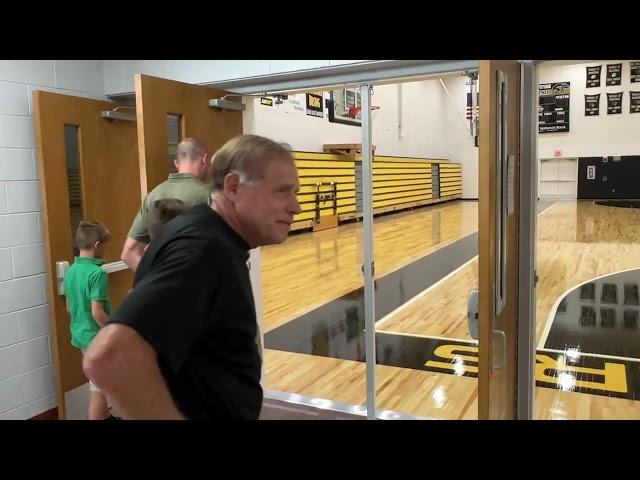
(191, 162)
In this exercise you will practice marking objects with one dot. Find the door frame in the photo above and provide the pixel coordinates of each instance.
(527, 229)
(295, 82)
(527, 239)
(527, 196)
(51, 110)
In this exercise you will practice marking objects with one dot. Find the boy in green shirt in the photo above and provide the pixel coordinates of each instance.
(86, 287)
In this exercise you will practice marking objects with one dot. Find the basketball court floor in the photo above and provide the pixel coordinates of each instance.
(588, 353)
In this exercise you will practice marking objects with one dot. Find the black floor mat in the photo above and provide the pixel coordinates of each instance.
(618, 203)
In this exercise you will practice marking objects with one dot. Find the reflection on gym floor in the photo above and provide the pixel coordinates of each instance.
(587, 355)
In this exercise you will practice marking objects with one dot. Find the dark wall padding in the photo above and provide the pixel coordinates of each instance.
(615, 177)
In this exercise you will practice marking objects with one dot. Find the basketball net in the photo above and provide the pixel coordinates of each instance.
(355, 111)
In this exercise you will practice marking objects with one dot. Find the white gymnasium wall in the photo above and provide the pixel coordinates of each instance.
(26, 372)
(459, 143)
(429, 123)
(592, 136)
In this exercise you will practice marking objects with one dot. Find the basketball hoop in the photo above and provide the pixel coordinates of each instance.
(354, 111)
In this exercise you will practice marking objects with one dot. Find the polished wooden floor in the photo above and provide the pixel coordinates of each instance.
(577, 241)
(311, 269)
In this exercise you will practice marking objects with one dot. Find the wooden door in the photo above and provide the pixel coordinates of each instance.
(88, 168)
(499, 212)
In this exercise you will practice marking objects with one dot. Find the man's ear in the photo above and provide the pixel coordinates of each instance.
(231, 184)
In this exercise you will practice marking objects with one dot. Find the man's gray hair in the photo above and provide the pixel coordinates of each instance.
(247, 156)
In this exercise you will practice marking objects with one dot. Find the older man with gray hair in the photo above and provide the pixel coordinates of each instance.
(182, 344)
(186, 185)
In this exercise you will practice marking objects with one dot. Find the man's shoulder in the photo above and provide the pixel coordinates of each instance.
(199, 228)
(197, 191)
(195, 233)
(190, 190)
(157, 190)
(189, 232)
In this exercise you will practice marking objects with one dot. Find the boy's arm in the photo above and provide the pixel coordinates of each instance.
(98, 313)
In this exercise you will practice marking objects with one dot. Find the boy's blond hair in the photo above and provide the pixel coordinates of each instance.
(89, 232)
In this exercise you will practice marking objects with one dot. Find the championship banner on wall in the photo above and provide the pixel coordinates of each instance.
(614, 103)
(614, 74)
(635, 72)
(553, 107)
(593, 76)
(591, 105)
(634, 102)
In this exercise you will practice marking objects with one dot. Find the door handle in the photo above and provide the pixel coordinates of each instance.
(502, 201)
(62, 268)
(472, 315)
(499, 350)
(503, 174)
(113, 267)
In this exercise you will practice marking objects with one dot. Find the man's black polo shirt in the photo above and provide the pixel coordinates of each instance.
(192, 302)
